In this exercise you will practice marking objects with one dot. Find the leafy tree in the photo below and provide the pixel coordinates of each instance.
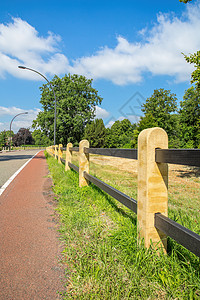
(120, 134)
(76, 101)
(110, 141)
(159, 110)
(190, 119)
(22, 137)
(134, 140)
(95, 133)
(40, 138)
(5, 137)
(121, 127)
(195, 59)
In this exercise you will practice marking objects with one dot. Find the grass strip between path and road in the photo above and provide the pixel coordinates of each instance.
(101, 255)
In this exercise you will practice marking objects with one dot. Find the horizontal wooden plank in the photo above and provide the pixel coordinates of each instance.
(72, 166)
(187, 238)
(121, 197)
(190, 157)
(76, 149)
(125, 153)
(63, 160)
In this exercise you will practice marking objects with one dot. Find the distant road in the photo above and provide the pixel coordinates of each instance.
(10, 162)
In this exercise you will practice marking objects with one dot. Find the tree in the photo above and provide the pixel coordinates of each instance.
(95, 133)
(190, 119)
(76, 101)
(120, 134)
(5, 137)
(22, 137)
(40, 138)
(195, 59)
(159, 110)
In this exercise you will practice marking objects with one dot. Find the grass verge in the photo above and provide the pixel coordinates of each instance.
(102, 258)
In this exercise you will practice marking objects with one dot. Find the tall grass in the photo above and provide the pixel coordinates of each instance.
(102, 257)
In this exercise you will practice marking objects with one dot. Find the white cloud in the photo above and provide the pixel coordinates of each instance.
(20, 44)
(25, 120)
(110, 123)
(10, 110)
(101, 113)
(159, 52)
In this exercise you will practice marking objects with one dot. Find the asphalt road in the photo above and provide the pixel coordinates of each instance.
(10, 162)
(30, 249)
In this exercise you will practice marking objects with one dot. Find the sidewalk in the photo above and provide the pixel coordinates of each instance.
(29, 244)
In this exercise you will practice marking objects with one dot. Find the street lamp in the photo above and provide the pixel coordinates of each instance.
(25, 68)
(24, 113)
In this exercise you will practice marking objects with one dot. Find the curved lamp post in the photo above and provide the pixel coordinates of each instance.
(25, 68)
(25, 113)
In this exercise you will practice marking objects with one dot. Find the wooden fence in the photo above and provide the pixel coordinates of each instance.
(151, 206)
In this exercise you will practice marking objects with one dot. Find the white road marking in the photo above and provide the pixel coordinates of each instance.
(2, 189)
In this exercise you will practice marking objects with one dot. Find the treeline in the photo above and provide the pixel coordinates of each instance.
(182, 123)
(23, 137)
(120, 135)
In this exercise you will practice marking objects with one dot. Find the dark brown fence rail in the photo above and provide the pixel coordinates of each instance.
(76, 149)
(74, 167)
(124, 153)
(63, 160)
(121, 197)
(187, 238)
(189, 157)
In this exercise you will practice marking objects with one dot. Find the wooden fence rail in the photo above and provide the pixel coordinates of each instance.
(151, 206)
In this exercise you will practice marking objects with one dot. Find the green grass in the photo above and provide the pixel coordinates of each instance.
(102, 257)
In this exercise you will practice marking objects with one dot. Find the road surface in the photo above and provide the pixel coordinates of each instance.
(29, 246)
(10, 162)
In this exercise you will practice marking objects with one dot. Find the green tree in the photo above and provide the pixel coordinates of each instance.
(110, 141)
(120, 134)
(195, 59)
(5, 137)
(190, 119)
(134, 141)
(160, 111)
(76, 101)
(95, 133)
(40, 138)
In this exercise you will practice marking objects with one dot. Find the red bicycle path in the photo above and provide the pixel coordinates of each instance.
(29, 242)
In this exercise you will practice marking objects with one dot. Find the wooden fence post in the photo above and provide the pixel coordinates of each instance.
(56, 152)
(83, 162)
(60, 153)
(152, 186)
(68, 156)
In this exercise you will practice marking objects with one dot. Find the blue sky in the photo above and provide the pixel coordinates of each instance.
(128, 47)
